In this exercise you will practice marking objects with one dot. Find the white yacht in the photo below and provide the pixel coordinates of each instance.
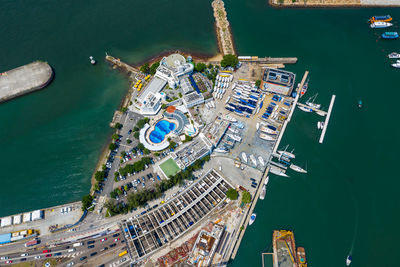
(235, 137)
(266, 137)
(297, 168)
(261, 160)
(252, 218)
(244, 157)
(348, 260)
(320, 125)
(305, 109)
(310, 102)
(92, 61)
(253, 159)
(394, 55)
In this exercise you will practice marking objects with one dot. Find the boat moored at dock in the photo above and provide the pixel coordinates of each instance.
(301, 257)
(297, 168)
(394, 55)
(252, 218)
(385, 18)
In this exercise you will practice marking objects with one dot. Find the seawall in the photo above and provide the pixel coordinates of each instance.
(24, 80)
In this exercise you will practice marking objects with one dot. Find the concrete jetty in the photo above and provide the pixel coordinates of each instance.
(118, 63)
(24, 80)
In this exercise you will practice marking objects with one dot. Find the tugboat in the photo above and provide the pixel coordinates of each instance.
(301, 257)
(252, 218)
(92, 61)
(390, 35)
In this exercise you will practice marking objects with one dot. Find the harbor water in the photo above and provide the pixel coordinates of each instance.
(50, 140)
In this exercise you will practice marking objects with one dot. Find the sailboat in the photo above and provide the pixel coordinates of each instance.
(244, 157)
(310, 102)
(289, 154)
(261, 160)
(279, 171)
(305, 109)
(348, 260)
(297, 168)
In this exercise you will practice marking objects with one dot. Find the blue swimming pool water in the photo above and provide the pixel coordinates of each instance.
(161, 129)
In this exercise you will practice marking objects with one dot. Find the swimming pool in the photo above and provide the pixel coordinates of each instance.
(162, 128)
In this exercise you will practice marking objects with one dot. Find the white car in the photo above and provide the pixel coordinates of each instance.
(70, 264)
(37, 257)
(24, 255)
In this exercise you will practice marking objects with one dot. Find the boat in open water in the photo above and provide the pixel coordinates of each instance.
(390, 35)
(252, 218)
(348, 260)
(396, 65)
(385, 18)
(380, 25)
(394, 55)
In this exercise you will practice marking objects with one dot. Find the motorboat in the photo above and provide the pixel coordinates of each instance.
(253, 159)
(390, 35)
(261, 160)
(263, 192)
(278, 171)
(385, 18)
(252, 218)
(396, 65)
(266, 180)
(244, 157)
(235, 137)
(380, 24)
(321, 113)
(310, 102)
(394, 55)
(257, 125)
(320, 125)
(304, 89)
(297, 168)
(266, 137)
(348, 260)
(360, 103)
(286, 153)
(92, 61)
(305, 109)
(301, 257)
(268, 130)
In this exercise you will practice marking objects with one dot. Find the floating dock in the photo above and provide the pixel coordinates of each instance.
(321, 139)
(24, 80)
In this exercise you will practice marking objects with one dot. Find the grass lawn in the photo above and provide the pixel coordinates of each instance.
(169, 167)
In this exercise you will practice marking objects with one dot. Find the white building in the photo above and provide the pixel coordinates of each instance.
(172, 68)
(152, 103)
(192, 99)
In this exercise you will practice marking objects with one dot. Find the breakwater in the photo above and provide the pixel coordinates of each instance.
(224, 35)
(24, 80)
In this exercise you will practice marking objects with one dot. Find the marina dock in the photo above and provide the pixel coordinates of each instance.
(319, 111)
(321, 139)
(24, 80)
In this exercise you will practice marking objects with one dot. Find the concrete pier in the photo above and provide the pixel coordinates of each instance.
(24, 80)
(321, 139)
(117, 62)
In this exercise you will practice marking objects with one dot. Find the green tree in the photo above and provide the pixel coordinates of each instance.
(229, 61)
(118, 126)
(136, 135)
(135, 129)
(210, 66)
(96, 186)
(124, 109)
(126, 188)
(246, 197)
(123, 154)
(180, 95)
(112, 146)
(128, 141)
(156, 154)
(232, 194)
(140, 146)
(86, 201)
(153, 67)
(146, 151)
(188, 138)
(145, 68)
(115, 136)
(103, 167)
(99, 176)
(164, 106)
(172, 144)
(113, 194)
(200, 67)
(258, 83)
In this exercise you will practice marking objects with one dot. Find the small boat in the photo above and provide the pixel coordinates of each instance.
(301, 257)
(348, 260)
(304, 89)
(268, 130)
(235, 137)
(92, 61)
(229, 118)
(297, 168)
(278, 171)
(233, 130)
(390, 35)
(394, 55)
(310, 102)
(320, 125)
(396, 65)
(253, 159)
(261, 160)
(360, 103)
(321, 113)
(288, 154)
(305, 109)
(380, 24)
(252, 218)
(257, 125)
(244, 157)
(264, 190)
(385, 18)
(266, 180)
(266, 137)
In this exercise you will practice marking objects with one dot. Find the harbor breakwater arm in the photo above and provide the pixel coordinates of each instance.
(118, 63)
(24, 80)
(334, 3)
(223, 30)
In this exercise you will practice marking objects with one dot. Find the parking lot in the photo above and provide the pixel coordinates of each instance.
(163, 223)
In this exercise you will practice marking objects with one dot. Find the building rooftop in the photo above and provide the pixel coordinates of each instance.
(154, 86)
(278, 81)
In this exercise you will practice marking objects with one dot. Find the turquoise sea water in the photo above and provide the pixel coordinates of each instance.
(50, 140)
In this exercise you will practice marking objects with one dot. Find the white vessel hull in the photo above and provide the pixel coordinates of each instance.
(290, 155)
(297, 168)
(252, 218)
(263, 192)
(244, 157)
(253, 159)
(261, 160)
(305, 109)
(266, 137)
